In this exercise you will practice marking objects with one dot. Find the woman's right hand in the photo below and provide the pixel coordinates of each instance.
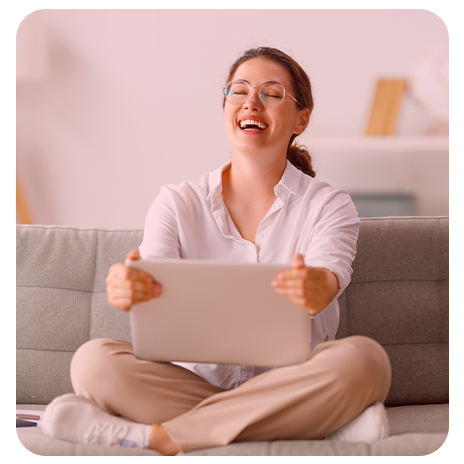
(126, 286)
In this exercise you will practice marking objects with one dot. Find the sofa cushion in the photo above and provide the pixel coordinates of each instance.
(415, 431)
(399, 297)
(61, 302)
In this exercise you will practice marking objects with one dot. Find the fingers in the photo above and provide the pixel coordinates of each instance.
(120, 271)
(136, 290)
(299, 276)
(133, 255)
(311, 288)
(298, 261)
(126, 286)
(132, 295)
(123, 277)
(124, 296)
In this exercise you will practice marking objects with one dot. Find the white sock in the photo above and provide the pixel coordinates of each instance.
(370, 426)
(78, 420)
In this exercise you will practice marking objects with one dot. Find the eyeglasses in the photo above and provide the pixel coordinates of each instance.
(271, 94)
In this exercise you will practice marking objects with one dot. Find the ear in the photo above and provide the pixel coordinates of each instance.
(303, 120)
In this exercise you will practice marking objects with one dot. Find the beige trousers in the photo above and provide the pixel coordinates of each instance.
(304, 401)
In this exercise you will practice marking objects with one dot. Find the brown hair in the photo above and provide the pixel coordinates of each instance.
(297, 155)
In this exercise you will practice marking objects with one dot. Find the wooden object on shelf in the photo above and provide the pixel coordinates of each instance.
(385, 106)
(21, 205)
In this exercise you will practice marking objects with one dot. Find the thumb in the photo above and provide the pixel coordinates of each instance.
(133, 255)
(298, 261)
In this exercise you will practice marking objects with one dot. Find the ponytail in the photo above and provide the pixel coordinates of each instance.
(301, 159)
(299, 156)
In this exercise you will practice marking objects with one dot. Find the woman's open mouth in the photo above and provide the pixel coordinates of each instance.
(251, 124)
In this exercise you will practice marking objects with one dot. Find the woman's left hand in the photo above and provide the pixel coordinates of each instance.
(311, 287)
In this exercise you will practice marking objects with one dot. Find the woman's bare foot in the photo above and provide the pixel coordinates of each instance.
(160, 441)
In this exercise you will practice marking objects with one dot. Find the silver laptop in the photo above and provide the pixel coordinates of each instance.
(221, 313)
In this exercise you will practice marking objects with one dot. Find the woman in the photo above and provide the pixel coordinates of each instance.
(263, 206)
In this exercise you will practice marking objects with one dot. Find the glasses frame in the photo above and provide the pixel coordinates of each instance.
(259, 93)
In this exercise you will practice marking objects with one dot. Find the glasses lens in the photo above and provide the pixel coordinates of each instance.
(272, 94)
(237, 92)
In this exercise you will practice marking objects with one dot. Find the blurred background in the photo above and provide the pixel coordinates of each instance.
(108, 109)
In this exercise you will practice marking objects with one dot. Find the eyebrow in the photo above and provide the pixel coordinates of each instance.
(267, 82)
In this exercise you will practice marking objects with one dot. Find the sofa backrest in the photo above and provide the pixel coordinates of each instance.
(61, 302)
(398, 296)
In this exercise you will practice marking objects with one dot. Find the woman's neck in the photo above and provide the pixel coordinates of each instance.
(248, 192)
(255, 177)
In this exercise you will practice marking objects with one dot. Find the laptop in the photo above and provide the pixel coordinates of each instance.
(216, 312)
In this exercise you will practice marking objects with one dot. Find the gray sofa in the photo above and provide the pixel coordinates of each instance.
(398, 296)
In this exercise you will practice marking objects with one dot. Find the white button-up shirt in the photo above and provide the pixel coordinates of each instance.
(191, 221)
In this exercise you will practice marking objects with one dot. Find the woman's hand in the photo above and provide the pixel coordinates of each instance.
(126, 286)
(311, 287)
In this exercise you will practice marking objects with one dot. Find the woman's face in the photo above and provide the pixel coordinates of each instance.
(280, 122)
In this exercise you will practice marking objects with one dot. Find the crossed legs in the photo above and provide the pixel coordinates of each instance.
(304, 401)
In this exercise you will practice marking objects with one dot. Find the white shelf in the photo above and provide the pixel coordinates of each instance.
(378, 143)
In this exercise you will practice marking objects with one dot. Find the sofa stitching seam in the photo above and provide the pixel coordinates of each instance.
(398, 280)
(440, 302)
(104, 291)
(46, 350)
(416, 343)
(444, 410)
(61, 288)
(72, 351)
(440, 256)
(93, 284)
(347, 314)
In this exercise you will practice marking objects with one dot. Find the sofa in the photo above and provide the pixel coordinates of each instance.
(398, 296)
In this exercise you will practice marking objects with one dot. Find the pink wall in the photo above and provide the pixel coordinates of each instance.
(105, 117)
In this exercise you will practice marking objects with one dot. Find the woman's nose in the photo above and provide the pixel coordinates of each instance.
(253, 100)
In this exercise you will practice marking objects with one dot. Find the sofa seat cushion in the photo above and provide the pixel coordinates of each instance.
(415, 431)
(422, 418)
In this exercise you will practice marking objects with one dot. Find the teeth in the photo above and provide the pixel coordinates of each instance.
(251, 122)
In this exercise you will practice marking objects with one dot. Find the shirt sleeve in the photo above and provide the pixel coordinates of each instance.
(161, 233)
(333, 238)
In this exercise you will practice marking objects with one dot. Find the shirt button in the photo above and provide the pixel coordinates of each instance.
(260, 236)
(278, 188)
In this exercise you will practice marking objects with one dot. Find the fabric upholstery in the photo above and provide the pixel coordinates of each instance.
(61, 301)
(415, 431)
(398, 296)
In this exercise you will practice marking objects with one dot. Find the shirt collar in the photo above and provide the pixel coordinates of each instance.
(290, 179)
(215, 180)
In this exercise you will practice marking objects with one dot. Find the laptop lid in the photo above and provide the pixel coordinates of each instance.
(220, 313)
